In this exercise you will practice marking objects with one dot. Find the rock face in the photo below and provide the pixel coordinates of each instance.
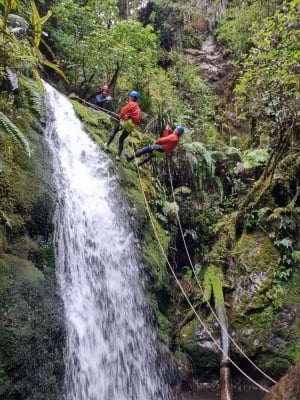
(216, 69)
(288, 387)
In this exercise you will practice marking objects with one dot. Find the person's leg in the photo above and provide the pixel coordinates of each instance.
(112, 135)
(139, 153)
(123, 136)
(145, 159)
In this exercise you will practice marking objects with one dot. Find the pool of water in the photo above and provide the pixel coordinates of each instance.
(209, 395)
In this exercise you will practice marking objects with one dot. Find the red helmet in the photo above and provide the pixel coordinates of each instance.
(105, 88)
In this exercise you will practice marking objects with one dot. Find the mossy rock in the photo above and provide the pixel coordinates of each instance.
(3, 241)
(256, 259)
(23, 247)
(154, 253)
(195, 341)
(15, 269)
(31, 335)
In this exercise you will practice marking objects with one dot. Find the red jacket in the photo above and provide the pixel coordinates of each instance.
(131, 110)
(169, 142)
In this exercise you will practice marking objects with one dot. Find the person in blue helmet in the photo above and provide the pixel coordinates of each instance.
(162, 146)
(130, 115)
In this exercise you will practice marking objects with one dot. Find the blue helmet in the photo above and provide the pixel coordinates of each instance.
(134, 94)
(180, 128)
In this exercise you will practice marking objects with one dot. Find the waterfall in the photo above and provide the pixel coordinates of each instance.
(111, 351)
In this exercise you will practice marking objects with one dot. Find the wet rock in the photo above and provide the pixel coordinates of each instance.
(288, 387)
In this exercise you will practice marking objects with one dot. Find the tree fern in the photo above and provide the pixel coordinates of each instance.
(13, 79)
(200, 164)
(36, 95)
(17, 135)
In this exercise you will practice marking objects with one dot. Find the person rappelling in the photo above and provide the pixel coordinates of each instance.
(162, 146)
(130, 115)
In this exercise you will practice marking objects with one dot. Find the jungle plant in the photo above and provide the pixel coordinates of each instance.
(166, 106)
(22, 53)
(107, 48)
(269, 86)
(234, 30)
(199, 168)
(8, 126)
(198, 101)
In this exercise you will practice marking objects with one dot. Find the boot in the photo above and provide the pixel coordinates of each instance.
(128, 157)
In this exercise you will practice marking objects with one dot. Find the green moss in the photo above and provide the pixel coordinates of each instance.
(152, 252)
(214, 281)
(256, 260)
(164, 326)
(3, 242)
(199, 348)
(46, 256)
(23, 246)
(97, 123)
(15, 269)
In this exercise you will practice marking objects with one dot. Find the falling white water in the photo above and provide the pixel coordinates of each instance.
(110, 347)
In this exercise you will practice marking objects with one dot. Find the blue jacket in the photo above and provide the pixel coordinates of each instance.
(102, 102)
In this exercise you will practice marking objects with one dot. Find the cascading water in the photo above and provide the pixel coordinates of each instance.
(110, 346)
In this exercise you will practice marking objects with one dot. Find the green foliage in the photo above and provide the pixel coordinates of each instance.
(268, 90)
(235, 30)
(191, 37)
(22, 53)
(197, 100)
(254, 158)
(198, 164)
(166, 106)
(16, 134)
(31, 336)
(170, 208)
(107, 49)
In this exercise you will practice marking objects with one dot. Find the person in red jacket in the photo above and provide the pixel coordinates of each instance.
(162, 146)
(130, 116)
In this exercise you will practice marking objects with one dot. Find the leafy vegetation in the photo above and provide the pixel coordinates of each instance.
(235, 174)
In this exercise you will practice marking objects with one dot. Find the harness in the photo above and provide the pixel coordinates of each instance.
(159, 154)
(128, 125)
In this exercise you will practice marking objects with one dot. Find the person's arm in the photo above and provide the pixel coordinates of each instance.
(167, 131)
(125, 111)
(100, 99)
(164, 139)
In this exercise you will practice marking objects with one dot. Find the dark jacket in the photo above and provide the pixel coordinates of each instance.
(103, 102)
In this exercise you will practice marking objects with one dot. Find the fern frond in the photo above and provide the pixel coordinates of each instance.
(17, 135)
(199, 165)
(37, 96)
(201, 154)
(13, 78)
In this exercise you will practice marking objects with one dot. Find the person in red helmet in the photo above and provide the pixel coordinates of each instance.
(130, 116)
(162, 146)
(104, 100)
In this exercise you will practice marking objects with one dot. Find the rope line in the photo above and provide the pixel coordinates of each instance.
(203, 293)
(115, 117)
(185, 295)
(112, 114)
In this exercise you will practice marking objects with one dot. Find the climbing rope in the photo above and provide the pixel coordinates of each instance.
(203, 293)
(112, 114)
(185, 295)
